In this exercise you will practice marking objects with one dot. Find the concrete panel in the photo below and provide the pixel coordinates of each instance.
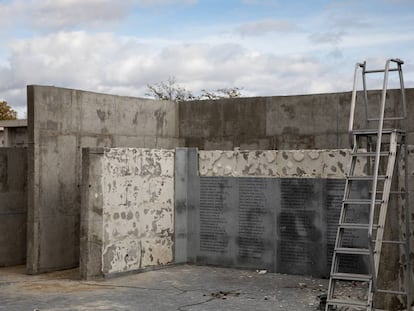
(275, 163)
(13, 206)
(61, 122)
(90, 260)
(129, 210)
(317, 121)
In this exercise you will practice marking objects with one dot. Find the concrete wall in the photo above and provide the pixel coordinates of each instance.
(127, 210)
(13, 133)
(15, 137)
(61, 122)
(13, 206)
(318, 121)
(1, 137)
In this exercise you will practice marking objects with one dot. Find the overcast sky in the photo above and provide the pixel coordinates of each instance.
(266, 47)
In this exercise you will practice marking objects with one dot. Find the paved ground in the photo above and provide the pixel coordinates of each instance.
(181, 288)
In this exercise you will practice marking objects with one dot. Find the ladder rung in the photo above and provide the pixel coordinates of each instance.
(349, 225)
(387, 291)
(380, 70)
(375, 131)
(387, 118)
(367, 177)
(370, 154)
(391, 192)
(393, 242)
(352, 251)
(361, 201)
(351, 276)
(346, 302)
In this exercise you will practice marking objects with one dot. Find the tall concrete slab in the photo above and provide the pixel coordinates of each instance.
(127, 210)
(60, 123)
(13, 206)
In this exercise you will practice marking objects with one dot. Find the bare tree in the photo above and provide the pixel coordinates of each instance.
(221, 93)
(171, 90)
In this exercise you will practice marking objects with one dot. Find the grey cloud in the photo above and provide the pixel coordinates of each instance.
(265, 26)
(261, 2)
(66, 14)
(333, 37)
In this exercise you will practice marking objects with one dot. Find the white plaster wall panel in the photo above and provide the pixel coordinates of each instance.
(138, 208)
(277, 163)
(156, 251)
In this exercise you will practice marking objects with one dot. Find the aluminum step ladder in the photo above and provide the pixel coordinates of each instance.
(381, 149)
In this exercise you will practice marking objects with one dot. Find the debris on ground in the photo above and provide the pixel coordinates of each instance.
(224, 294)
(261, 271)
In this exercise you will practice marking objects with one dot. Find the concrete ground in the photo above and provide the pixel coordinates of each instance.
(181, 288)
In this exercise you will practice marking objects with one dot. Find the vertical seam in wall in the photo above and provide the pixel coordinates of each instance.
(102, 232)
(337, 124)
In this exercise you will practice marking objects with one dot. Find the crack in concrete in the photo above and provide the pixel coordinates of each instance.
(180, 308)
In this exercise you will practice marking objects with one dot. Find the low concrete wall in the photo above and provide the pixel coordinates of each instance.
(127, 210)
(13, 206)
(61, 122)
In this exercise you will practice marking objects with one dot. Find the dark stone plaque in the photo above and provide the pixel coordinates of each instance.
(252, 210)
(255, 239)
(301, 230)
(285, 225)
(214, 227)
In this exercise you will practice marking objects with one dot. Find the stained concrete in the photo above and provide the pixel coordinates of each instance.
(61, 122)
(13, 133)
(317, 121)
(13, 205)
(127, 210)
(180, 288)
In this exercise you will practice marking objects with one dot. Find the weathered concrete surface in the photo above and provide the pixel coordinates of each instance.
(14, 133)
(13, 205)
(180, 288)
(61, 122)
(127, 210)
(277, 163)
(317, 121)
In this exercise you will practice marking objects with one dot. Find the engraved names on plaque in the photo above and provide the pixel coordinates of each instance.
(300, 227)
(213, 223)
(256, 223)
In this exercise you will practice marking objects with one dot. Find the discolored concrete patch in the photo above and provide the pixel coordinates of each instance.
(181, 287)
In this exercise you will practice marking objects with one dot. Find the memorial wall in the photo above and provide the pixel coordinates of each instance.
(280, 213)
